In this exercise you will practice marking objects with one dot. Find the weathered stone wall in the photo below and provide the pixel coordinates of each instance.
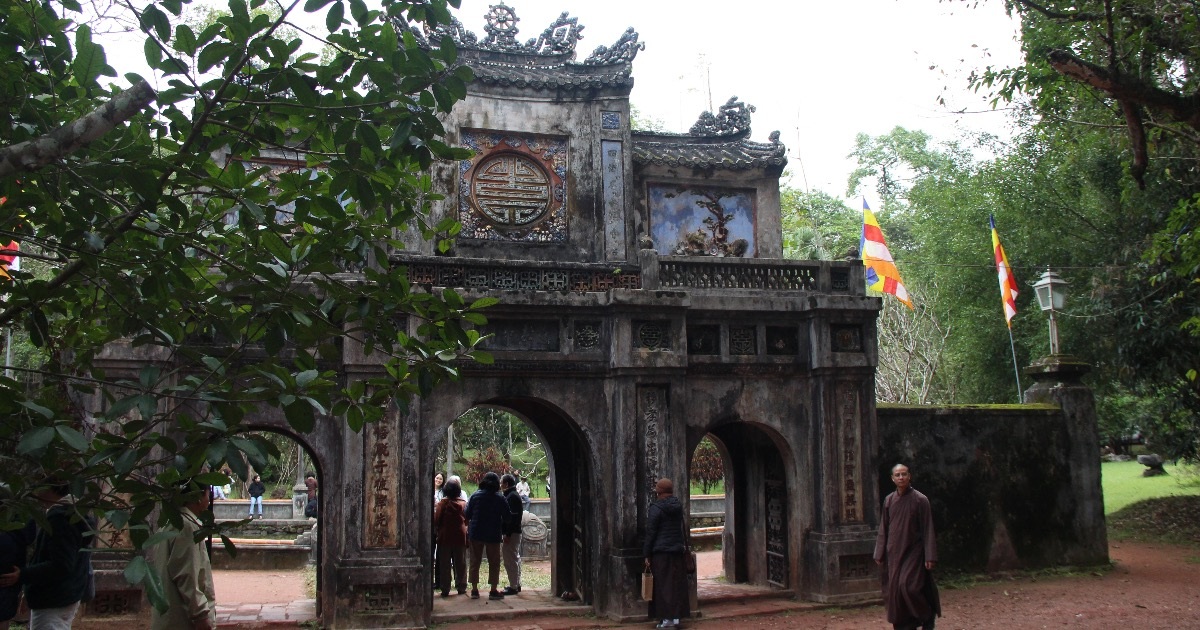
(1000, 482)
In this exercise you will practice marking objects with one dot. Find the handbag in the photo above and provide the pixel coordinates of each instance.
(647, 585)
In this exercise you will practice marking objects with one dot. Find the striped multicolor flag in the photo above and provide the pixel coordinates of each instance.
(8, 255)
(1008, 283)
(882, 274)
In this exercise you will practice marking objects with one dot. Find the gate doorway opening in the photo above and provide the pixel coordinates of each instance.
(755, 542)
(275, 574)
(534, 439)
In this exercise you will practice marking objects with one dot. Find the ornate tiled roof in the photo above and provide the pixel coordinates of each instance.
(547, 62)
(720, 141)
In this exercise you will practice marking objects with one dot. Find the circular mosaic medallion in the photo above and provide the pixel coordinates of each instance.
(511, 190)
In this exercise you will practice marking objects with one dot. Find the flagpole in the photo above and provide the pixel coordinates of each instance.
(1016, 372)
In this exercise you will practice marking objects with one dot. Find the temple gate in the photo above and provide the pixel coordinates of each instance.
(643, 305)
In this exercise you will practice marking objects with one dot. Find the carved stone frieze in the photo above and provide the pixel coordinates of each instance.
(527, 277)
(717, 275)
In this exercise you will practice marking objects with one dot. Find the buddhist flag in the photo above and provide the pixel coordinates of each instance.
(1008, 284)
(882, 274)
(8, 256)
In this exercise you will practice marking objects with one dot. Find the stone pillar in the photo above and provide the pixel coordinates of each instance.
(1057, 381)
(838, 564)
(299, 491)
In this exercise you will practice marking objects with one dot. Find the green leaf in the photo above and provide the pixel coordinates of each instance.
(89, 60)
(153, 18)
(35, 439)
(73, 438)
(333, 19)
(38, 409)
(300, 416)
(312, 6)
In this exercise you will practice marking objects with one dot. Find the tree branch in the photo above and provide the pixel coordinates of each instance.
(34, 154)
(1184, 109)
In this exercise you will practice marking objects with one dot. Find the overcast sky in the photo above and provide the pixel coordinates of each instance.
(819, 72)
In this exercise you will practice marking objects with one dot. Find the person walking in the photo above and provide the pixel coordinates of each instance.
(183, 564)
(511, 546)
(664, 548)
(906, 549)
(257, 489)
(57, 573)
(450, 527)
(486, 513)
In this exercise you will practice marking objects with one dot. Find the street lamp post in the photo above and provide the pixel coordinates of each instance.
(1051, 295)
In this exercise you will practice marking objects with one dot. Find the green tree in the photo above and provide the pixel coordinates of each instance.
(706, 467)
(1125, 70)
(232, 229)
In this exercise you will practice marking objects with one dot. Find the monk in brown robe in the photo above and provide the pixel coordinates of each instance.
(907, 551)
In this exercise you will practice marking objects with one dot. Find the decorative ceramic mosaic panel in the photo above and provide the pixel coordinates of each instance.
(514, 188)
(702, 220)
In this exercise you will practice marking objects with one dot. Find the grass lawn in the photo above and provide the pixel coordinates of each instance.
(1124, 484)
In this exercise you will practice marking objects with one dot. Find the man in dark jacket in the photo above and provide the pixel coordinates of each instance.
(57, 573)
(486, 513)
(13, 547)
(511, 547)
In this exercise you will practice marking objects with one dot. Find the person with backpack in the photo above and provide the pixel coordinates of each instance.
(56, 578)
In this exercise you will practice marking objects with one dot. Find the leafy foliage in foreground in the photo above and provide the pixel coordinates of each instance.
(233, 238)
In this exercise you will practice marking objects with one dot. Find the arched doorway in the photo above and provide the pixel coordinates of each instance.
(284, 544)
(568, 484)
(757, 545)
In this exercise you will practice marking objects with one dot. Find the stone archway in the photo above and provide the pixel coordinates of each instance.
(573, 518)
(321, 451)
(758, 541)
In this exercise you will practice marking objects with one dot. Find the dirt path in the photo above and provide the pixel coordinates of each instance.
(1151, 587)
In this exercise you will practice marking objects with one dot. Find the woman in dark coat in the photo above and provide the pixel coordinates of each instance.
(486, 513)
(664, 549)
(450, 526)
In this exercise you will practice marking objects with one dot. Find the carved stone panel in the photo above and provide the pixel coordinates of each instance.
(587, 336)
(652, 335)
(380, 486)
(856, 567)
(743, 340)
(783, 340)
(849, 452)
(382, 598)
(531, 335)
(846, 338)
(704, 340)
(514, 188)
(612, 161)
(652, 413)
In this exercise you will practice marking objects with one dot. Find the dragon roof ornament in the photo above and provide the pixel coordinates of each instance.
(557, 40)
(733, 118)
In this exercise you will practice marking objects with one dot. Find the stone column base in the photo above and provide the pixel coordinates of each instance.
(838, 567)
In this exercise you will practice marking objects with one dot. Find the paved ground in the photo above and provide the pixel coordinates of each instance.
(1151, 587)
